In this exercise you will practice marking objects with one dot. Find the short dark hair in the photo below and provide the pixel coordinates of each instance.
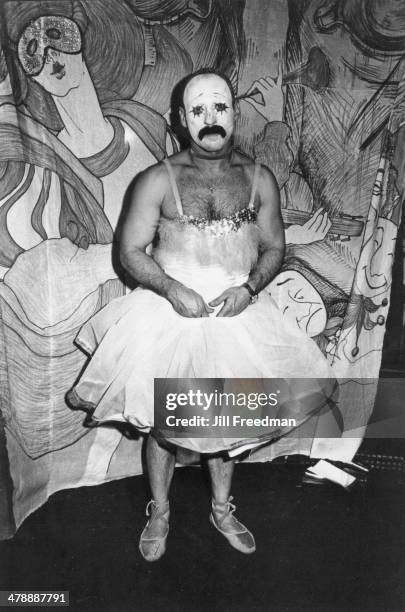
(201, 72)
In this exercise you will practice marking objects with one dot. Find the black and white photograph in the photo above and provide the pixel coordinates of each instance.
(241, 162)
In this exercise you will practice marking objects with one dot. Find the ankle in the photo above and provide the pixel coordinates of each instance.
(160, 503)
(221, 505)
(158, 507)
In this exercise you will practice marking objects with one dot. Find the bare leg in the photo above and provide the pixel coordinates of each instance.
(160, 463)
(221, 478)
(222, 516)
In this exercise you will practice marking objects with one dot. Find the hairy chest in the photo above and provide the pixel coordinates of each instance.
(211, 197)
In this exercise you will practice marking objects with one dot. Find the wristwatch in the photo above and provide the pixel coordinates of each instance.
(253, 295)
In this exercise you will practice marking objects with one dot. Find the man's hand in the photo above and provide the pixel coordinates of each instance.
(235, 299)
(186, 302)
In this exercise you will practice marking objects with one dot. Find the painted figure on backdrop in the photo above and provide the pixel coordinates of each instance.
(296, 289)
(75, 139)
(330, 136)
(110, 136)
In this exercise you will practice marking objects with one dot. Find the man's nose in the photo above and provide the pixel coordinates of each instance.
(210, 117)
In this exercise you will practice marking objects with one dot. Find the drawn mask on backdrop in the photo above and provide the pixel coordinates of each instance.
(50, 52)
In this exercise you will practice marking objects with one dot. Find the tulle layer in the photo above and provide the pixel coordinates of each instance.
(140, 337)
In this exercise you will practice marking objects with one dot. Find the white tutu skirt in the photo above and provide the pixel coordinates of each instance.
(139, 337)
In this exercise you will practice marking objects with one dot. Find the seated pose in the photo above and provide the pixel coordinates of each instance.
(200, 310)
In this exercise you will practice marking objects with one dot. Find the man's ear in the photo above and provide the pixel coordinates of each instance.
(236, 109)
(182, 116)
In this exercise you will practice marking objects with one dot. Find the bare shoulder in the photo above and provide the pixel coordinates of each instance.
(147, 189)
(179, 160)
(153, 174)
(240, 159)
(151, 183)
(265, 175)
(158, 176)
(266, 182)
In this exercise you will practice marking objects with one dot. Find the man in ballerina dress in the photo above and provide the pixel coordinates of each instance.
(215, 182)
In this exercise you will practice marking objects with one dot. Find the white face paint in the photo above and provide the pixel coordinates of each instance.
(61, 73)
(208, 103)
(299, 301)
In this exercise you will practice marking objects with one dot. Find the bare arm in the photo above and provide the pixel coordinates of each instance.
(138, 231)
(271, 253)
(272, 241)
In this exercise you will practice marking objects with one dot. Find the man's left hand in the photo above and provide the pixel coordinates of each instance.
(235, 299)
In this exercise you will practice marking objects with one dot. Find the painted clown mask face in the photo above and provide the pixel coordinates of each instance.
(299, 301)
(208, 112)
(50, 52)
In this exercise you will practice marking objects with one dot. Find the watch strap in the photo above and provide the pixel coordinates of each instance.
(252, 293)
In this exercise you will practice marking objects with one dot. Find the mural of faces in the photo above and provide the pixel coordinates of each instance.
(208, 112)
(299, 301)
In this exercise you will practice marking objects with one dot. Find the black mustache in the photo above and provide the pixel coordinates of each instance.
(211, 129)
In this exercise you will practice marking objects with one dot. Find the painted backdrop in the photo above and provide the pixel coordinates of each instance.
(85, 91)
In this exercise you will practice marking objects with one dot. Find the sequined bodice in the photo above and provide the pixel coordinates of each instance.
(231, 242)
(218, 227)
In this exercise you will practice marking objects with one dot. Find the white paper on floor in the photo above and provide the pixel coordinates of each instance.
(327, 471)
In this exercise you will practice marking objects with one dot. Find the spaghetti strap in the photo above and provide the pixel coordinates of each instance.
(173, 185)
(254, 185)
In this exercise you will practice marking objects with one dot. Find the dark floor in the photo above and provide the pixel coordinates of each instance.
(319, 548)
